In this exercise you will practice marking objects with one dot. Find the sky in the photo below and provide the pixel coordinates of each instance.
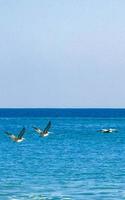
(62, 54)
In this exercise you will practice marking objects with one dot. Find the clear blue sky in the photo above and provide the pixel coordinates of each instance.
(58, 53)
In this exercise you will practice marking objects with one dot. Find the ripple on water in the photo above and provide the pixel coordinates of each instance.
(39, 197)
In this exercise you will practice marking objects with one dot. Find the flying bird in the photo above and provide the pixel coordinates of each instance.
(19, 137)
(110, 130)
(43, 133)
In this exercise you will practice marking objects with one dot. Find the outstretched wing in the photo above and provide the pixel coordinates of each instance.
(47, 127)
(8, 133)
(38, 130)
(21, 133)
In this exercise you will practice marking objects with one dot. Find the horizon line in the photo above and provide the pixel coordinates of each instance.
(62, 108)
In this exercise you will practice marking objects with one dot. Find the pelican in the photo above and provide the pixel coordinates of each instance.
(110, 130)
(43, 133)
(18, 138)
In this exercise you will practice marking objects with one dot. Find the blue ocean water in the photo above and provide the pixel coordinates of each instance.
(75, 162)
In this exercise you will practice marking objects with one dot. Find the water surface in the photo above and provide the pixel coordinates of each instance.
(75, 162)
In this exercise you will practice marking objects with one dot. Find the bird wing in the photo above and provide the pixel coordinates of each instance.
(8, 133)
(47, 127)
(38, 130)
(13, 137)
(21, 133)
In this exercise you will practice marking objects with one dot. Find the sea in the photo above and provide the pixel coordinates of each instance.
(75, 161)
